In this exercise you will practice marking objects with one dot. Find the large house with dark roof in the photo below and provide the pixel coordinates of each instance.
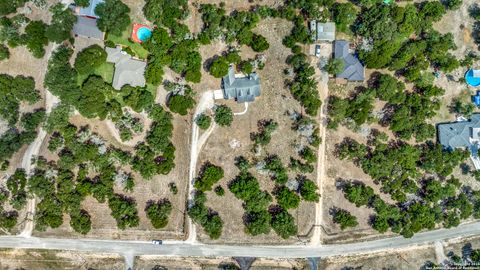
(241, 88)
(462, 134)
(353, 70)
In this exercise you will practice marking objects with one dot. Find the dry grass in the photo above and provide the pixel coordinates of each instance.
(55, 260)
(273, 103)
(402, 260)
(103, 225)
(175, 263)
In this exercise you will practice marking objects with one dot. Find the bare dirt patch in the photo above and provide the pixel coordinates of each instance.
(403, 260)
(51, 259)
(148, 262)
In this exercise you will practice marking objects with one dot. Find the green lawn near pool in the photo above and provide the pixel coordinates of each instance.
(105, 71)
(123, 40)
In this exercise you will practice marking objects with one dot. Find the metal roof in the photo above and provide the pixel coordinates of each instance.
(326, 31)
(90, 10)
(353, 70)
(87, 27)
(242, 89)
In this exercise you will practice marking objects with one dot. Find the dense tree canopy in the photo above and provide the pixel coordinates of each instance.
(62, 23)
(90, 58)
(113, 16)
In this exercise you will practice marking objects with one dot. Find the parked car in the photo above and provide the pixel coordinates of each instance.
(157, 242)
(317, 50)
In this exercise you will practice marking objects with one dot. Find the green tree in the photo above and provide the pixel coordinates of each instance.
(335, 66)
(209, 175)
(219, 67)
(113, 16)
(344, 218)
(158, 212)
(284, 224)
(344, 14)
(308, 190)
(165, 12)
(286, 198)
(82, 3)
(203, 121)
(62, 23)
(257, 222)
(4, 52)
(35, 38)
(180, 104)
(30, 121)
(80, 221)
(90, 58)
(124, 211)
(223, 115)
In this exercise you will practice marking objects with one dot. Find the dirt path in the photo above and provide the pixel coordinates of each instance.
(33, 150)
(206, 102)
(323, 90)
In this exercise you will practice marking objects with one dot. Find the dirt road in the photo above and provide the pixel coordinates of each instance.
(322, 78)
(33, 150)
(206, 102)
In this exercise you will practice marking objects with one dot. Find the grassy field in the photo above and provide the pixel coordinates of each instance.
(123, 40)
(105, 71)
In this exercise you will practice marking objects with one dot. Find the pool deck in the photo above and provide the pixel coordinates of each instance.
(136, 27)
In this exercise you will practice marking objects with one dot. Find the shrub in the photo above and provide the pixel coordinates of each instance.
(4, 52)
(158, 212)
(89, 59)
(219, 190)
(345, 219)
(203, 121)
(286, 198)
(223, 115)
(219, 67)
(209, 175)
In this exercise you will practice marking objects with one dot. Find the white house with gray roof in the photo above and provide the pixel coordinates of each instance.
(353, 69)
(462, 134)
(127, 70)
(241, 88)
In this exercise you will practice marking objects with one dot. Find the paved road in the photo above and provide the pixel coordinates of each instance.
(178, 248)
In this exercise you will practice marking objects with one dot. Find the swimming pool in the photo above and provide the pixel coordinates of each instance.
(144, 33)
(471, 80)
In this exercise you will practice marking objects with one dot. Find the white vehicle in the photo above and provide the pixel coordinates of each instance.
(317, 50)
(157, 242)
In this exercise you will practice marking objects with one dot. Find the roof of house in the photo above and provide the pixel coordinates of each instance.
(90, 10)
(127, 70)
(353, 70)
(87, 27)
(326, 31)
(242, 89)
(459, 134)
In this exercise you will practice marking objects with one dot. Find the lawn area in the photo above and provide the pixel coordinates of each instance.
(105, 71)
(123, 40)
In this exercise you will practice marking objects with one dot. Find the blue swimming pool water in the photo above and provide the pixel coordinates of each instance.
(470, 79)
(144, 33)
